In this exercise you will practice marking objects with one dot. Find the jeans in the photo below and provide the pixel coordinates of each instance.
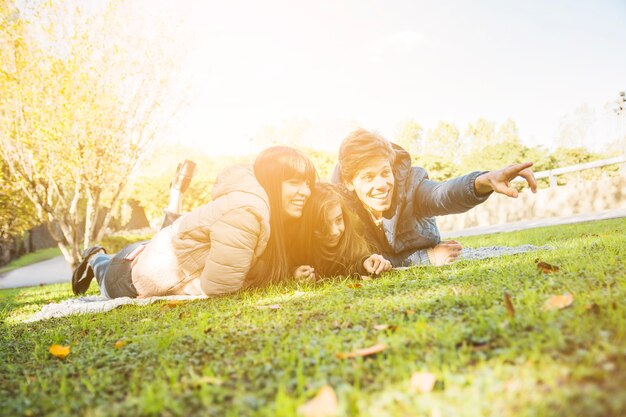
(113, 272)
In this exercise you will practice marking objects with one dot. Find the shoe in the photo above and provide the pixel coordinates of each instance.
(83, 274)
(184, 173)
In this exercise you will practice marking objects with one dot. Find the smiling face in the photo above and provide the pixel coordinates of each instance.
(294, 194)
(373, 185)
(333, 226)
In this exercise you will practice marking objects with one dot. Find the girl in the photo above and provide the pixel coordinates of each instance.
(220, 247)
(329, 244)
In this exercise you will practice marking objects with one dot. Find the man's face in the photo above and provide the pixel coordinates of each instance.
(373, 185)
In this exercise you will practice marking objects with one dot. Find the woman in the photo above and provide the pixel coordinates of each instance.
(329, 243)
(221, 247)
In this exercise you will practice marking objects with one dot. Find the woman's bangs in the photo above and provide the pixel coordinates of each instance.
(301, 168)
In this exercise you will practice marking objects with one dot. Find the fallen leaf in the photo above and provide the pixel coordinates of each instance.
(59, 351)
(546, 268)
(408, 312)
(324, 404)
(171, 304)
(269, 307)
(476, 345)
(511, 385)
(120, 344)
(593, 308)
(423, 382)
(205, 380)
(354, 285)
(510, 310)
(386, 327)
(366, 278)
(558, 302)
(372, 350)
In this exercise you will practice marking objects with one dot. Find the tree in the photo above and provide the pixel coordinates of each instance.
(576, 127)
(409, 136)
(440, 151)
(17, 214)
(479, 134)
(82, 97)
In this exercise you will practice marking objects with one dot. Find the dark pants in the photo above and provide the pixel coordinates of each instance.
(113, 273)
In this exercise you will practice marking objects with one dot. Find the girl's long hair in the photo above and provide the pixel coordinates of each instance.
(271, 167)
(345, 258)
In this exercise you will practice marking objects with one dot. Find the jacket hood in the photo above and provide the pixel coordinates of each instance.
(238, 178)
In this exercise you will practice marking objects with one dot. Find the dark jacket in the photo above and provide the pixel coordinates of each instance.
(409, 224)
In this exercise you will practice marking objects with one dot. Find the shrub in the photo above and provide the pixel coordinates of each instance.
(114, 243)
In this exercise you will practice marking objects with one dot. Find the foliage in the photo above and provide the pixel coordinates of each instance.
(324, 162)
(114, 243)
(228, 356)
(83, 93)
(409, 136)
(17, 212)
(151, 186)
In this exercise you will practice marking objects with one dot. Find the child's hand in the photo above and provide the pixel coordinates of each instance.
(375, 264)
(304, 273)
(445, 253)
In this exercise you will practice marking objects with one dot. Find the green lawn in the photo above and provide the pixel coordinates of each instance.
(229, 357)
(31, 258)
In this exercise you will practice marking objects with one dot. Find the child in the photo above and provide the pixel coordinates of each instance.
(329, 243)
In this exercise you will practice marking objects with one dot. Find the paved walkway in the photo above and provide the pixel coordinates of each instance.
(56, 270)
(51, 271)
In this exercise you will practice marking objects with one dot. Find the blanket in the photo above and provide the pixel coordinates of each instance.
(100, 304)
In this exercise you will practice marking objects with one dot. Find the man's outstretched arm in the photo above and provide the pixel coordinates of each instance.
(499, 180)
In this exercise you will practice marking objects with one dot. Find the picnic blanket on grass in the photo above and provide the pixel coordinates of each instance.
(100, 304)
(97, 304)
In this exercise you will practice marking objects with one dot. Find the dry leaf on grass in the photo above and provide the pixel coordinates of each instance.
(354, 285)
(59, 351)
(558, 302)
(366, 278)
(510, 310)
(546, 268)
(120, 344)
(205, 380)
(423, 382)
(171, 304)
(385, 327)
(324, 404)
(372, 350)
(269, 307)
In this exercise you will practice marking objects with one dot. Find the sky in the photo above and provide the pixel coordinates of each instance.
(375, 64)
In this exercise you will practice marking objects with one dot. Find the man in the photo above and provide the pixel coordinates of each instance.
(397, 202)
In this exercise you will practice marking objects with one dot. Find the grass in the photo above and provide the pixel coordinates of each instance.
(228, 357)
(31, 258)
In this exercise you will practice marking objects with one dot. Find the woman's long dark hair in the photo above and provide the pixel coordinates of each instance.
(271, 167)
(345, 258)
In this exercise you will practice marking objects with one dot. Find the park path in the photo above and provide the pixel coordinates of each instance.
(51, 271)
(56, 270)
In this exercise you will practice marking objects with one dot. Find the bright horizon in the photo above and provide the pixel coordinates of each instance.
(328, 67)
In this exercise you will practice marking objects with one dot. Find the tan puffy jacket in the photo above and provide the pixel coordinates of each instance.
(211, 249)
